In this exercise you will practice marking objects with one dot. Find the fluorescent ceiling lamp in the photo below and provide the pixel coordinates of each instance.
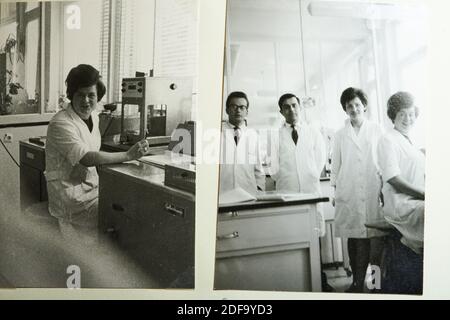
(365, 10)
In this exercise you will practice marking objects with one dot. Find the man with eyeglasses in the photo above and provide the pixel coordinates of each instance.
(299, 158)
(241, 164)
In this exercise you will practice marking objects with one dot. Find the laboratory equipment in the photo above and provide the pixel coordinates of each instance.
(182, 139)
(161, 103)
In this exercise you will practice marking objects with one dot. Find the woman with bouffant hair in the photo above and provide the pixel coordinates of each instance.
(403, 170)
(357, 182)
(72, 154)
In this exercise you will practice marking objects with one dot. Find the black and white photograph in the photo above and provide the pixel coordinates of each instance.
(210, 151)
(322, 158)
(98, 106)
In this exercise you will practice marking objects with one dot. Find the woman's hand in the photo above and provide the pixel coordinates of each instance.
(138, 150)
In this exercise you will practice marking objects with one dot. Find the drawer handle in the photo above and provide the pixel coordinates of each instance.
(173, 210)
(229, 214)
(117, 207)
(112, 232)
(232, 235)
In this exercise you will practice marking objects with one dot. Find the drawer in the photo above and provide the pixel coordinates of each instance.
(32, 157)
(168, 237)
(258, 231)
(117, 200)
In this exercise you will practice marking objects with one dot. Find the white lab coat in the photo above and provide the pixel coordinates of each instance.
(72, 187)
(398, 156)
(241, 165)
(355, 174)
(297, 168)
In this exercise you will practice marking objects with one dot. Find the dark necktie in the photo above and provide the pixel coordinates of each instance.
(294, 134)
(237, 134)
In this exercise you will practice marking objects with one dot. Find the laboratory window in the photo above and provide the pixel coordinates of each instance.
(21, 52)
(41, 41)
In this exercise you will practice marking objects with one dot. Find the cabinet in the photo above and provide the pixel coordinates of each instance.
(274, 248)
(152, 224)
(33, 186)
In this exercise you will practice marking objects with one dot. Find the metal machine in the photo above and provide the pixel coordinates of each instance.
(161, 103)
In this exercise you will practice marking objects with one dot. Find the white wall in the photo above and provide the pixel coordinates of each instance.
(278, 47)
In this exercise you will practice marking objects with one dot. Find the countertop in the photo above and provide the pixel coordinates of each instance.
(33, 145)
(144, 174)
(257, 204)
(114, 147)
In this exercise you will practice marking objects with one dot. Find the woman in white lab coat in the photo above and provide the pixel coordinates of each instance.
(403, 170)
(73, 151)
(355, 176)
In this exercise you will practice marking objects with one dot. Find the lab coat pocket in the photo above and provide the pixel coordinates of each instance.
(252, 158)
(341, 196)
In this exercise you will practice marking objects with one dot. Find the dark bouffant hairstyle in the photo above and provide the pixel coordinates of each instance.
(352, 93)
(82, 76)
(398, 101)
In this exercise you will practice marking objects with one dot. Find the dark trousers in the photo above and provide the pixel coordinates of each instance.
(403, 268)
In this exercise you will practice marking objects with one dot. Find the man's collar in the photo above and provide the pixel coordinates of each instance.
(288, 125)
(229, 124)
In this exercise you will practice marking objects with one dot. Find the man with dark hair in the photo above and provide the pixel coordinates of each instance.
(241, 164)
(73, 151)
(301, 154)
(299, 158)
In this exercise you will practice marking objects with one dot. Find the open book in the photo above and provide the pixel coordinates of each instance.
(240, 195)
(235, 195)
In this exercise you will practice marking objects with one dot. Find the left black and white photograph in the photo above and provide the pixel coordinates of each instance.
(97, 143)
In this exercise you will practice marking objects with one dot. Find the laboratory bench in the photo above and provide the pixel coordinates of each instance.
(268, 245)
(33, 185)
(150, 222)
(148, 217)
(109, 146)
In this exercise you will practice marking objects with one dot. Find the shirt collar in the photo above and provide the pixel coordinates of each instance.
(232, 126)
(72, 112)
(288, 125)
(75, 116)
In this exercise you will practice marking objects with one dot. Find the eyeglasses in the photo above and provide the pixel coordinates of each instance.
(236, 107)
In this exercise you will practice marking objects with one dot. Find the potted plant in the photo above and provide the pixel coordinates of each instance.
(8, 87)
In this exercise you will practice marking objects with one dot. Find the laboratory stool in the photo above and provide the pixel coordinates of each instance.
(401, 268)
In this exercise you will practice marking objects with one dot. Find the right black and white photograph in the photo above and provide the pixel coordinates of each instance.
(322, 158)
